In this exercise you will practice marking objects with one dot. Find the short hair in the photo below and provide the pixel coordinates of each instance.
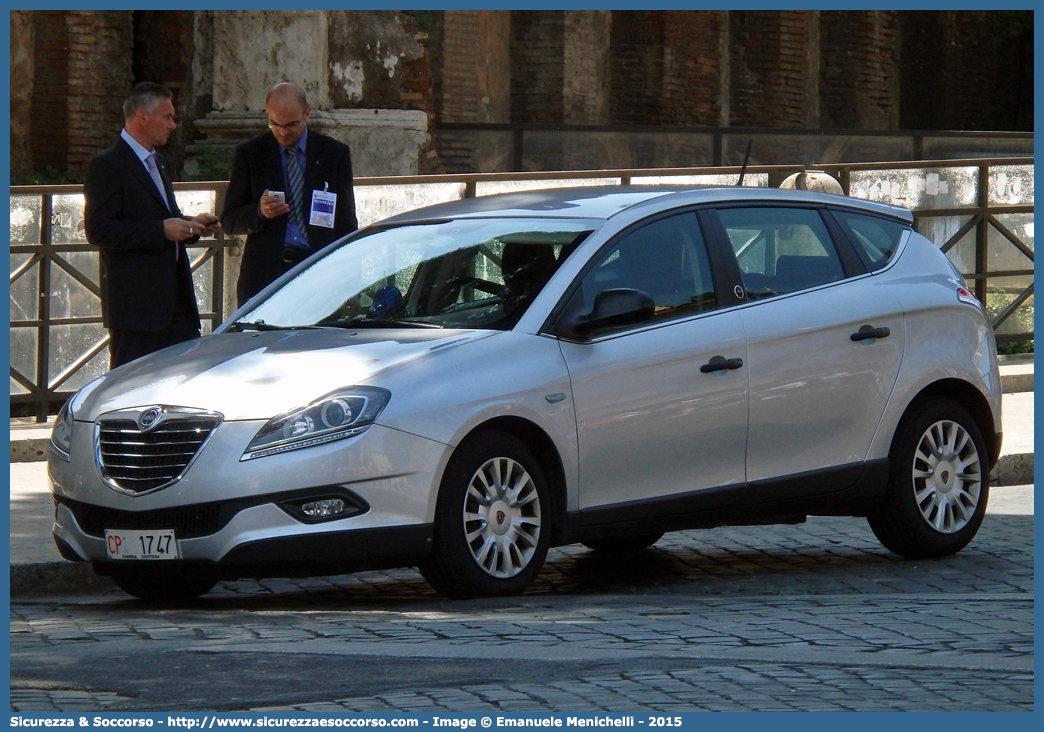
(145, 95)
(288, 88)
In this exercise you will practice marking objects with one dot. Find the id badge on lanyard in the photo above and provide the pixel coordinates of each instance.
(324, 204)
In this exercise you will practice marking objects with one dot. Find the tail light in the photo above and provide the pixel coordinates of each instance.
(966, 296)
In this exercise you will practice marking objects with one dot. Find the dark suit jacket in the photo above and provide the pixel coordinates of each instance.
(257, 167)
(123, 216)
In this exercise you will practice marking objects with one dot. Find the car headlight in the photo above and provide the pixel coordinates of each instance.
(61, 435)
(344, 413)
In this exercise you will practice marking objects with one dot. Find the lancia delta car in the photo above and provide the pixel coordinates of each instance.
(462, 387)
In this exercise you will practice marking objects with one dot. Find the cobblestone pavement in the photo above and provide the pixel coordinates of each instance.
(810, 617)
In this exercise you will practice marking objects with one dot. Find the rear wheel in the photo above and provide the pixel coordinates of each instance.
(492, 520)
(163, 585)
(623, 543)
(938, 483)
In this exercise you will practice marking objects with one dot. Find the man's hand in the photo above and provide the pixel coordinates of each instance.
(272, 206)
(209, 222)
(200, 225)
(179, 229)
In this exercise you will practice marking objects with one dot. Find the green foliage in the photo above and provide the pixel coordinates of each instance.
(50, 176)
(1020, 321)
(426, 22)
(1007, 25)
(209, 163)
(1010, 348)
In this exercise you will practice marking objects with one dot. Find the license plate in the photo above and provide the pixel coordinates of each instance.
(156, 544)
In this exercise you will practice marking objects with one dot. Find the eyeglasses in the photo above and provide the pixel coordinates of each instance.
(285, 128)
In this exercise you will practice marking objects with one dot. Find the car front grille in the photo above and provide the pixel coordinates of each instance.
(189, 522)
(136, 459)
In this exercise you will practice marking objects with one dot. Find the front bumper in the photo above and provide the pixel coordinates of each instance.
(239, 517)
(309, 555)
(258, 541)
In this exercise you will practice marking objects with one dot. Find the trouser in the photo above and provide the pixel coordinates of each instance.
(125, 345)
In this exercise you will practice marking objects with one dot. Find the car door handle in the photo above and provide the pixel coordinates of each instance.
(720, 363)
(868, 331)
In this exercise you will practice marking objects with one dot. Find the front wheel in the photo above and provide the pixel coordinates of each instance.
(938, 483)
(492, 520)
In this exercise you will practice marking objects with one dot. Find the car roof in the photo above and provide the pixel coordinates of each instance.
(604, 202)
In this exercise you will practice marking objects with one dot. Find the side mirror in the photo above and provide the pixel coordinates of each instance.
(612, 309)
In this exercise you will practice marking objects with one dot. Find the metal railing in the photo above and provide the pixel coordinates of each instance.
(980, 212)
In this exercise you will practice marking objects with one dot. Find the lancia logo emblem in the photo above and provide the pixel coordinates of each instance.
(148, 418)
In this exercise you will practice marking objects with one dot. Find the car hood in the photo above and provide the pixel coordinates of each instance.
(255, 375)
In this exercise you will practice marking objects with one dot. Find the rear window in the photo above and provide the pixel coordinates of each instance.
(876, 239)
(781, 250)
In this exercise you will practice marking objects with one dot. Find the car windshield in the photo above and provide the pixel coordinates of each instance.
(461, 273)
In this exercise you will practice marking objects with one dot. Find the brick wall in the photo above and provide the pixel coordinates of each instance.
(163, 51)
(948, 70)
(417, 78)
(637, 67)
(585, 61)
(537, 70)
(847, 69)
(859, 71)
(774, 68)
(459, 87)
(692, 67)
(22, 61)
(476, 77)
(416, 85)
(560, 66)
(82, 75)
(475, 86)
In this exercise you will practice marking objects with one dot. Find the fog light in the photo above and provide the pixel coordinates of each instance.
(323, 508)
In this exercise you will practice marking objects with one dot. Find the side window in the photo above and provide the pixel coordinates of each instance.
(781, 250)
(876, 239)
(666, 260)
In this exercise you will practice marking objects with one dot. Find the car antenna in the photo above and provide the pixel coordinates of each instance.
(746, 157)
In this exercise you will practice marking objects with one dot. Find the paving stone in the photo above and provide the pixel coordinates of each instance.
(687, 604)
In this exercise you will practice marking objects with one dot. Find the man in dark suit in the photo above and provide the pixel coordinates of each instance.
(290, 192)
(130, 214)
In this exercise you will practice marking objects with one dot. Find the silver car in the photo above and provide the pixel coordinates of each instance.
(464, 386)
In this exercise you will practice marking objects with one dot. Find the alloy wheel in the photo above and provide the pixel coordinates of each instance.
(502, 517)
(947, 476)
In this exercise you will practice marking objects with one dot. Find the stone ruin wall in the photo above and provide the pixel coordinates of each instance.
(372, 74)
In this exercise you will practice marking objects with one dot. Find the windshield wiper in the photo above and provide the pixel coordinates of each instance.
(383, 323)
(241, 325)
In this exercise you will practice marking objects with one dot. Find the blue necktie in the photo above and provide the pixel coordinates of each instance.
(295, 189)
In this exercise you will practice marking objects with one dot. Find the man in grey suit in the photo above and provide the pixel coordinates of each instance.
(148, 302)
(290, 192)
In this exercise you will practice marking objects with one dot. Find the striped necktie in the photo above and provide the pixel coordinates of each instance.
(295, 189)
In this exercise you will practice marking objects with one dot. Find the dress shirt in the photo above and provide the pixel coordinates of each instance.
(143, 156)
(293, 234)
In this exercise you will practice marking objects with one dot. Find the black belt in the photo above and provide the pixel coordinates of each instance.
(293, 255)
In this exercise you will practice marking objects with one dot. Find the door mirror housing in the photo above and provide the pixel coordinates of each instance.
(615, 308)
